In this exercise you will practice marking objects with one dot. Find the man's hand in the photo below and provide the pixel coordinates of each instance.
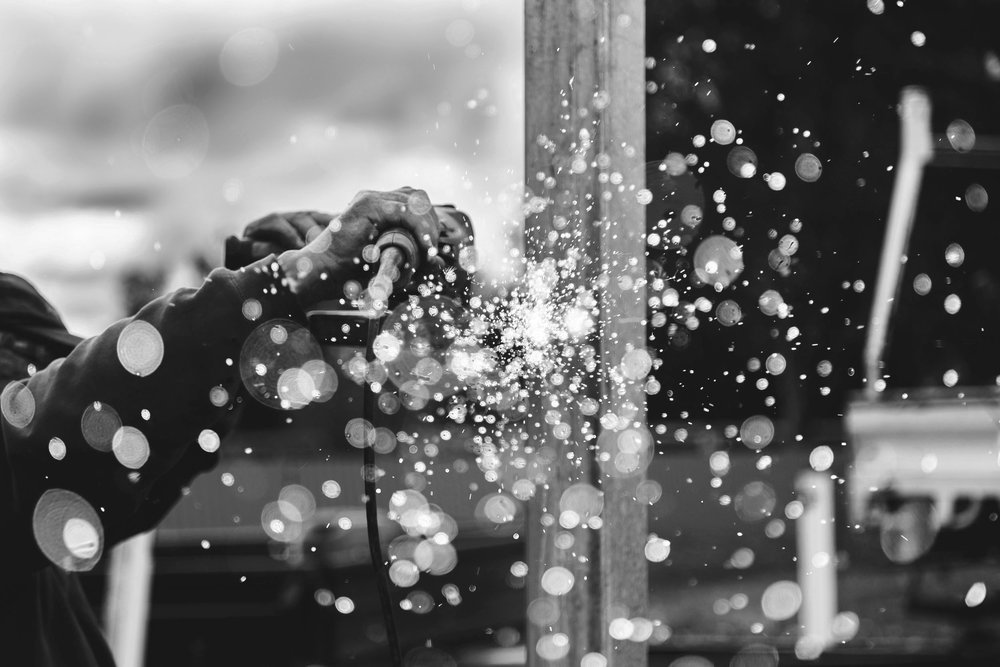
(318, 270)
(278, 232)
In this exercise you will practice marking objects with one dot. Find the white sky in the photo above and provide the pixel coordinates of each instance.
(363, 94)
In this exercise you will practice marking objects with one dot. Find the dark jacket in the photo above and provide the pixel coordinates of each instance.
(63, 504)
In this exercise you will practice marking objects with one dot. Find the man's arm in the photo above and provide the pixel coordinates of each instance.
(78, 404)
(88, 439)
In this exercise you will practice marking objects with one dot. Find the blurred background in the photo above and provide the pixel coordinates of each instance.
(779, 121)
(135, 136)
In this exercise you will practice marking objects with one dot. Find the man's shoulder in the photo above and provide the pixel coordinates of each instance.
(26, 314)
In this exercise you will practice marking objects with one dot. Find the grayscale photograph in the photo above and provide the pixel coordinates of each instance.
(499, 333)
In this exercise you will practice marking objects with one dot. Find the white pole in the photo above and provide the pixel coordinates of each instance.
(817, 559)
(126, 610)
(915, 150)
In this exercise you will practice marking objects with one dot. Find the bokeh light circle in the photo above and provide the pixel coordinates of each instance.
(57, 449)
(249, 56)
(757, 432)
(961, 136)
(436, 559)
(282, 366)
(130, 447)
(543, 611)
(781, 600)
(742, 162)
(808, 168)
(755, 501)
(17, 404)
(821, 458)
(845, 626)
(209, 440)
(636, 364)
(175, 141)
(360, 433)
(922, 284)
(728, 313)
(140, 348)
(718, 261)
(557, 581)
(425, 353)
(99, 424)
(954, 255)
(657, 549)
(68, 530)
(404, 573)
(976, 198)
(624, 453)
(775, 364)
(723, 132)
(553, 646)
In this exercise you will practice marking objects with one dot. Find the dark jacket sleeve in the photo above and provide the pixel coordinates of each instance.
(113, 383)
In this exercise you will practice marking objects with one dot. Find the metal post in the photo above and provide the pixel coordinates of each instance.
(585, 164)
(915, 151)
(126, 610)
(817, 559)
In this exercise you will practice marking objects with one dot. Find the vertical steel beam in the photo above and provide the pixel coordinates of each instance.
(817, 560)
(126, 609)
(585, 164)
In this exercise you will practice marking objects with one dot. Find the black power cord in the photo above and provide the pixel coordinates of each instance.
(371, 508)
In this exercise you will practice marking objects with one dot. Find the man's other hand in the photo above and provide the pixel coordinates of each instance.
(274, 234)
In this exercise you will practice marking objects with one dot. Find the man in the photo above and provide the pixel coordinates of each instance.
(97, 445)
